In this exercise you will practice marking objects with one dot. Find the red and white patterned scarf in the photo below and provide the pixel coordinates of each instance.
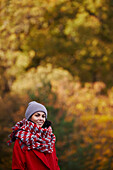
(33, 137)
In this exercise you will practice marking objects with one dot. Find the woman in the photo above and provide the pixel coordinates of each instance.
(34, 147)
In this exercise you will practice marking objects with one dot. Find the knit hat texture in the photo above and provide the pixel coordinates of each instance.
(34, 107)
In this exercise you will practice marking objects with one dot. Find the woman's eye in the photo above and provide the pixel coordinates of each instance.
(37, 115)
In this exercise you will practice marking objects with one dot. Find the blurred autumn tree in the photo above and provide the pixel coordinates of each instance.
(75, 38)
(75, 35)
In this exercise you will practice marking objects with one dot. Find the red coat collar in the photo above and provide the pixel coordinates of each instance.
(42, 156)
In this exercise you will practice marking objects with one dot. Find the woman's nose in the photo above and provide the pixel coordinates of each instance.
(41, 118)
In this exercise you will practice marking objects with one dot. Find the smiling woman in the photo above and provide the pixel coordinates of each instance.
(34, 147)
(38, 118)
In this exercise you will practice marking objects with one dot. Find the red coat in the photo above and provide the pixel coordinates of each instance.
(33, 159)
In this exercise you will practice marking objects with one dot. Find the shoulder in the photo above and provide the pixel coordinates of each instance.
(17, 142)
(18, 145)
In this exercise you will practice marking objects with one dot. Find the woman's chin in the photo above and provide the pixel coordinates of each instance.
(40, 125)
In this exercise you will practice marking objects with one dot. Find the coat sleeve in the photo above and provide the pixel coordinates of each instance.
(18, 159)
(56, 159)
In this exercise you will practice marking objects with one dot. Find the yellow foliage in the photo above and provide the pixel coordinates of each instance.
(97, 146)
(80, 106)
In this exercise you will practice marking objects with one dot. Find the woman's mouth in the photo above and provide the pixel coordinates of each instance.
(39, 123)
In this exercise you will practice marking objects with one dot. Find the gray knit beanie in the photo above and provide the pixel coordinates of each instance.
(34, 107)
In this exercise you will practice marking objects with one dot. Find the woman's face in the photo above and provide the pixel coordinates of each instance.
(38, 118)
